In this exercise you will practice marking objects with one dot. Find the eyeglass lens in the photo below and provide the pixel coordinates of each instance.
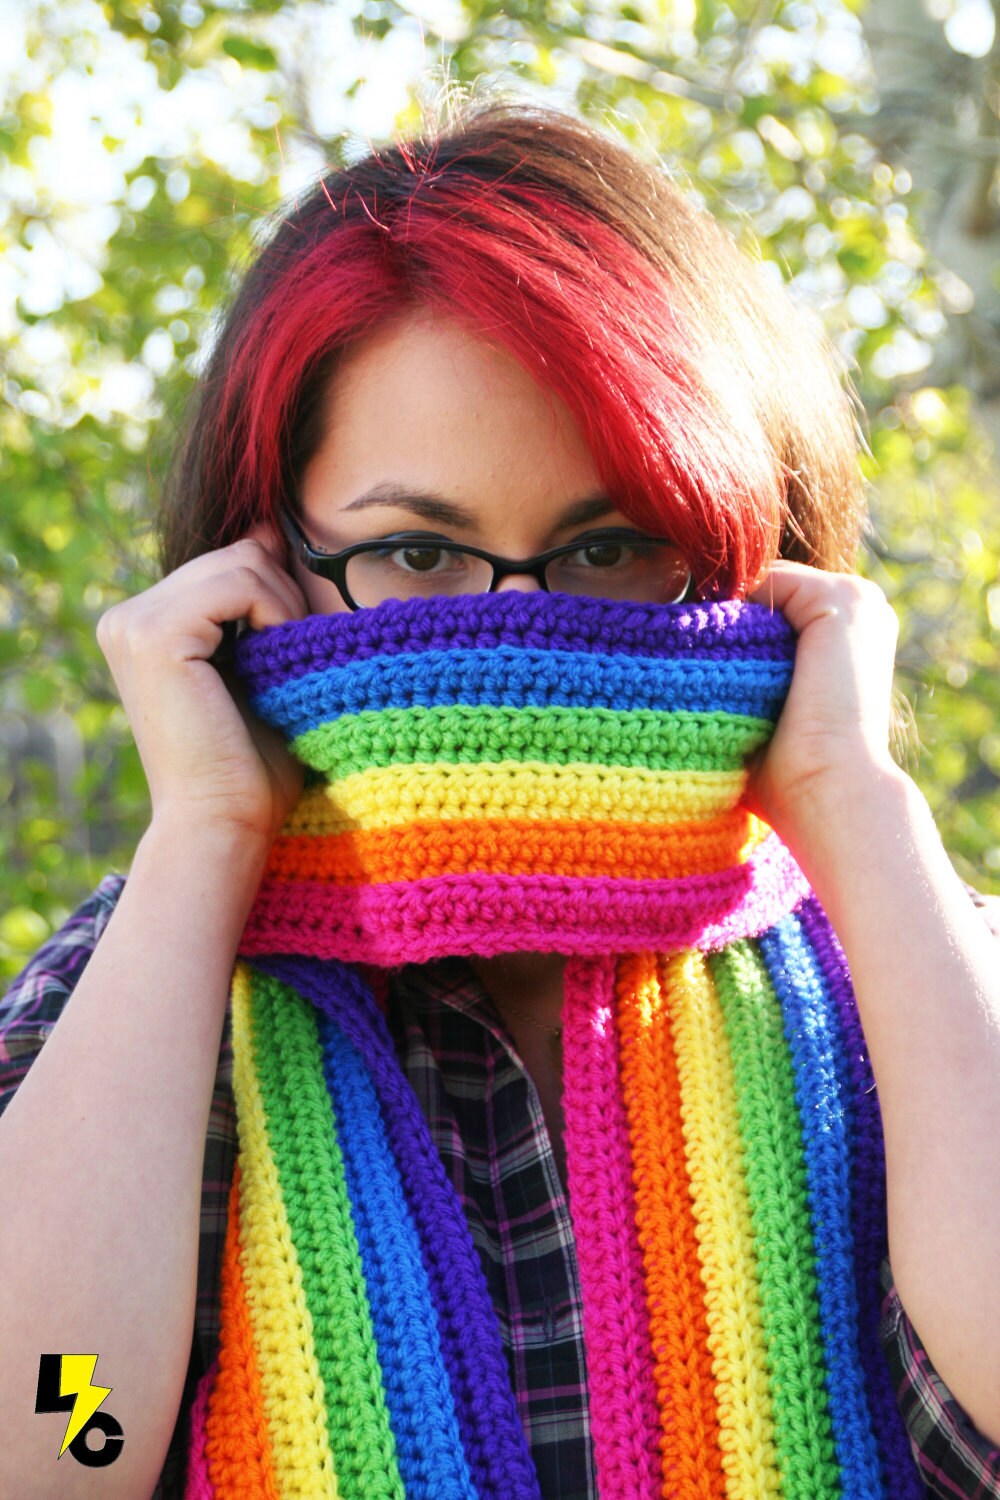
(641, 572)
(414, 573)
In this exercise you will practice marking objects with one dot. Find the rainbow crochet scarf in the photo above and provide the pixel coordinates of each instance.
(534, 772)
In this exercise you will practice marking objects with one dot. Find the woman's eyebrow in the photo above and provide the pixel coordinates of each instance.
(427, 504)
(431, 506)
(581, 512)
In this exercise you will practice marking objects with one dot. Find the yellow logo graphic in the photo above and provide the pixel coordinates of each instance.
(77, 1376)
(66, 1383)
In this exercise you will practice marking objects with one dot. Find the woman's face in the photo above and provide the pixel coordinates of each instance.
(431, 429)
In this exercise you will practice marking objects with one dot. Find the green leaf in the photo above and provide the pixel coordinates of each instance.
(250, 54)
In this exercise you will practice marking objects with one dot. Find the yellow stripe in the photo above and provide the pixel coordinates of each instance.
(721, 1206)
(384, 797)
(291, 1385)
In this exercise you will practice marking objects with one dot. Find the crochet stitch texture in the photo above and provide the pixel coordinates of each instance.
(526, 772)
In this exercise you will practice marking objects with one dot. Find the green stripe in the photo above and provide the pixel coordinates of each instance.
(779, 1205)
(462, 734)
(314, 1191)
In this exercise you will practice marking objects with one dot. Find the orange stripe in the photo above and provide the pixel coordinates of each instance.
(237, 1448)
(682, 1369)
(418, 851)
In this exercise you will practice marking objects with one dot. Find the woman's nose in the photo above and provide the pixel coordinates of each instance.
(522, 581)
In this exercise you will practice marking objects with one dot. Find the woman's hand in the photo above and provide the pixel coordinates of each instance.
(208, 762)
(833, 732)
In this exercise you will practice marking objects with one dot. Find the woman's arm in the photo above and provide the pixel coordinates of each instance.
(926, 968)
(101, 1162)
(101, 1149)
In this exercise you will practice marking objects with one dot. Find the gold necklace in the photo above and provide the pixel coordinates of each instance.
(554, 1034)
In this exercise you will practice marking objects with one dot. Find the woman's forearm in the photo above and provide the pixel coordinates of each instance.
(101, 1157)
(926, 971)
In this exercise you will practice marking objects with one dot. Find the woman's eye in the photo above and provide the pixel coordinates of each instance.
(603, 552)
(423, 559)
(420, 559)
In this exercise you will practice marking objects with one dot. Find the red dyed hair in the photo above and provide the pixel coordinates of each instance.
(714, 414)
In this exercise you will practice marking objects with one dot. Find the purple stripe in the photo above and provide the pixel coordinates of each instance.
(727, 631)
(868, 1210)
(492, 1435)
(415, 921)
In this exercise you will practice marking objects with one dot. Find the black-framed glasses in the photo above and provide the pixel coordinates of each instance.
(613, 563)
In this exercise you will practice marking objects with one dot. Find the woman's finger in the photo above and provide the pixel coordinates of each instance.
(806, 596)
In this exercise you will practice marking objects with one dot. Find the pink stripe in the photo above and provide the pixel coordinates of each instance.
(623, 1410)
(416, 921)
(199, 1486)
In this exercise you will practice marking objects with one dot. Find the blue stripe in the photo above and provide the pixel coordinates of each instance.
(512, 678)
(418, 1393)
(823, 1099)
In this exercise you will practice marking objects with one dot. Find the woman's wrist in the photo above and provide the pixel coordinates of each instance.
(870, 809)
(188, 859)
(178, 832)
(871, 851)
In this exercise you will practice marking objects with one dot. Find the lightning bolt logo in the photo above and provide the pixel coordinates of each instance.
(66, 1383)
(77, 1380)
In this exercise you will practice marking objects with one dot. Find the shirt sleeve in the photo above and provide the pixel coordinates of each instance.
(990, 908)
(35, 1000)
(954, 1459)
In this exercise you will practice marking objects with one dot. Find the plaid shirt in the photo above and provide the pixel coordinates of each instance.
(488, 1126)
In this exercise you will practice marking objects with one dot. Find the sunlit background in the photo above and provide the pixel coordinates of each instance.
(853, 145)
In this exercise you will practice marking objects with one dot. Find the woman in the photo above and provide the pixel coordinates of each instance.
(516, 352)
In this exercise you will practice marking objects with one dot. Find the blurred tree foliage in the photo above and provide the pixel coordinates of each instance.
(142, 141)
